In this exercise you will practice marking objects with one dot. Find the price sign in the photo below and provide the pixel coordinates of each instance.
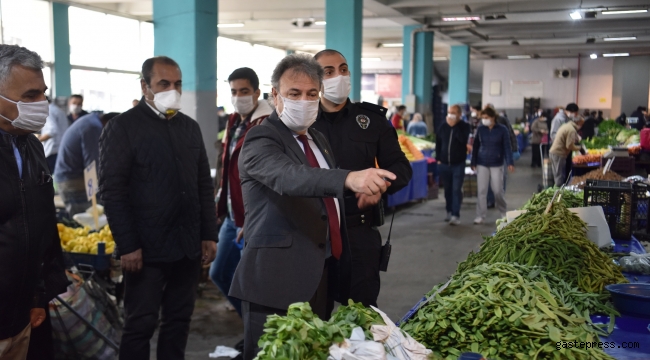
(90, 178)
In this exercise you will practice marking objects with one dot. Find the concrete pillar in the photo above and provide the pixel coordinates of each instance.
(422, 69)
(186, 31)
(61, 30)
(289, 52)
(459, 75)
(343, 33)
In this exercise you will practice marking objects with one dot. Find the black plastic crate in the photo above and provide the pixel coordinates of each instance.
(616, 198)
(640, 223)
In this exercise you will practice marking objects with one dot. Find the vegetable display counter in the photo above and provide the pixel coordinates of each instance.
(416, 189)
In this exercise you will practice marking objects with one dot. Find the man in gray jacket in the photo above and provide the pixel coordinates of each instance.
(296, 248)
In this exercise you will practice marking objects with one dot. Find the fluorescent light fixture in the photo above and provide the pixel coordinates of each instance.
(440, 58)
(616, 54)
(393, 45)
(462, 18)
(320, 22)
(235, 25)
(518, 57)
(576, 15)
(593, 56)
(620, 38)
(371, 59)
(615, 12)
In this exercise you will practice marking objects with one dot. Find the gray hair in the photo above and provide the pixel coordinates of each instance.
(13, 55)
(298, 64)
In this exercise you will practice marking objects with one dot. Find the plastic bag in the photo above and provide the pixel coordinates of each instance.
(224, 351)
(636, 263)
(357, 348)
(399, 345)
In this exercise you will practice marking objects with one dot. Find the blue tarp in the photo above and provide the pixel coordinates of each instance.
(417, 188)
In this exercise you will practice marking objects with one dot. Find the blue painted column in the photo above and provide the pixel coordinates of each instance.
(61, 29)
(289, 52)
(186, 31)
(459, 75)
(343, 32)
(422, 70)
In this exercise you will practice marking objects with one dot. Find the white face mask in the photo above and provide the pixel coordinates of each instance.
(75, 109)
(243, 104)
(337, 89)
(167, 102)
(486, 122)
(31, 116)
(299, 115)
(474, 114)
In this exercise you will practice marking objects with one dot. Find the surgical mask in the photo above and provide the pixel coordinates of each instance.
(75, 109)
(336, 89)
(486, 122)
(31, 116)
(243, 104)
(299, 115)
(474, 114)
(167, 102)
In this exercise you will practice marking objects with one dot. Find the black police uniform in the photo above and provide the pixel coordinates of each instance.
(360, 134)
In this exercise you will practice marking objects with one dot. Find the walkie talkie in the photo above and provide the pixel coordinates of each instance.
(386, 249)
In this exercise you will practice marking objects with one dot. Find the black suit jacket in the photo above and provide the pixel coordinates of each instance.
(286, 225)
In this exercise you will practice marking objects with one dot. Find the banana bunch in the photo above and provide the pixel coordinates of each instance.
(597, 151)
(81, 240)
(407, 152)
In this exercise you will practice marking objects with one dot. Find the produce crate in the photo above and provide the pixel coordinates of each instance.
(99, 262)
(616, 199)
(640, 223)
(623, 166)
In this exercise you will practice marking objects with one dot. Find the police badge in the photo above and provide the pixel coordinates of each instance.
(363, 121)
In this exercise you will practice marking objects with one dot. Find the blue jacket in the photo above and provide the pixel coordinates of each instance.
(79, 147)
(492, 147)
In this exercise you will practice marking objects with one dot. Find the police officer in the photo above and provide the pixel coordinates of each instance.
(360, 137)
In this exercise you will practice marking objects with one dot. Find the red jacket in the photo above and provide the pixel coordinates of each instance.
(230, 172)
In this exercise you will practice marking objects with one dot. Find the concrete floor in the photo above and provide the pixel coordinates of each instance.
(426, 251)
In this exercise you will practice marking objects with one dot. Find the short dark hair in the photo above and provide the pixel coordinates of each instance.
(300, 64)
(147, 66)
(573, 107)
(641, 108)
(77, 96)
(245, 74)
(328, 52)
(593, 113)
(401, 107)
(489, 112)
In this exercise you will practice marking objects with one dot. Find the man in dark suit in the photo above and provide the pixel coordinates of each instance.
(296, 249)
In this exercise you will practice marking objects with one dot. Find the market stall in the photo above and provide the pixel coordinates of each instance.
(418, 188)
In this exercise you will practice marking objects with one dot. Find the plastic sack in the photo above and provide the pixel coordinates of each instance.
(224, 351)
(399, 345)
(357, 348)
(636, 263)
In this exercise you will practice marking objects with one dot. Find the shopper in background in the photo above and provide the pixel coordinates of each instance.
(296, 249)
(52, 133)
(398, 118)
(360, 138)
(245, 90)
(79, 148)
(154, 180)
(135, 102)
(514, 145)
(490, 151)
(600, 118)
(417, 127)
(640, 114)
(564, 144)
(562, 117)
(451, 153)
(75, 108)
(31, 260)
(588, 128)
(539, 140)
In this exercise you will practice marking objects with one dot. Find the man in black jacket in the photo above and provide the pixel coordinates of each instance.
(31, 262)
(451, 153)
(155, 183)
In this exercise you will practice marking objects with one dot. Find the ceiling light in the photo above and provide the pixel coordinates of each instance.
(616, 54)
(593, 56)
(235, 25)
(320, 22)
(518, 57)
(393, 45)
(439, 58)
(615, 12)
(462, 18)
(620, 38)
(371, 59)
(576, 15)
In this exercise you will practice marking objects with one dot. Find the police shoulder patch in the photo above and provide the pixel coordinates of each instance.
(363, 121)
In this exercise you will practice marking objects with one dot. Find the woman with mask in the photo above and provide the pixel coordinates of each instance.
(539, 140)
(491, 149)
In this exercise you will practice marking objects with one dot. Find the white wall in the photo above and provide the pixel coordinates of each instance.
(631, 78)
(596, 81)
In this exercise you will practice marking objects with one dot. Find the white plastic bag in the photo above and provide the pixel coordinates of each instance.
(636, 263)
(224, 351)
(399, 345)
(357, 348)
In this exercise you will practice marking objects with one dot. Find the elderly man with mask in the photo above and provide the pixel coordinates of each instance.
(296, 245)
(154, 180)
(31, 261)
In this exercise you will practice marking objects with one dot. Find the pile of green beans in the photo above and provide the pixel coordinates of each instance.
(557, 241)
(570, 199)
(508, 311)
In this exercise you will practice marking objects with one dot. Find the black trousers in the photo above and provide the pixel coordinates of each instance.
(254, 315)
(537, 155)
(365, 246)
(168, 289)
